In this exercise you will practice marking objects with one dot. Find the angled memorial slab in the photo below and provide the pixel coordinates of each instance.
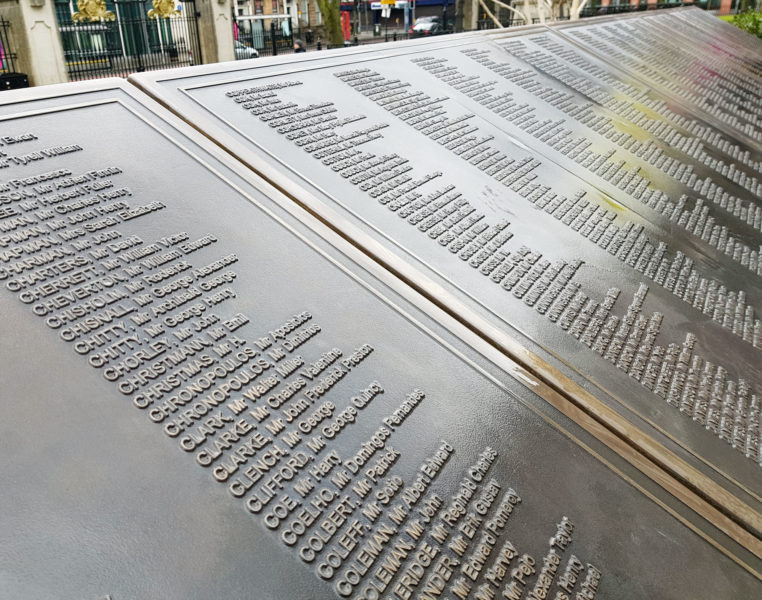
(719, 33)
(615, 251)
(206, 395)
(705, 66)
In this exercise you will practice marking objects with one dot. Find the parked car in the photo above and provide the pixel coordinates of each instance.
(243, 52)
(427, 26)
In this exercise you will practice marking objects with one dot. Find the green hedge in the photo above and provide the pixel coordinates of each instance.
(750, 21)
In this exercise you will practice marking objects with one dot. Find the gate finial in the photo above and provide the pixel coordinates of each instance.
(92, 10)
(163, 9)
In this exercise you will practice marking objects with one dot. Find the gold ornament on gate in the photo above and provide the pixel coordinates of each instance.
(92, 10)
(163, 9)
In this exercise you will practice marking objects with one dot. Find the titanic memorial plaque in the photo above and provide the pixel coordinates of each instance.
(205, 396)
(543, 195)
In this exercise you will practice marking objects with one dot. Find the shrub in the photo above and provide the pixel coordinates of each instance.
(750, 21)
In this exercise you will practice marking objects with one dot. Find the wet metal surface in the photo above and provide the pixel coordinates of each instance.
(611, 226)
(204, 398)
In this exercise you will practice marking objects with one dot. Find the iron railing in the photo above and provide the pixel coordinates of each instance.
(8, 54)
(272, 40)
(131, 42)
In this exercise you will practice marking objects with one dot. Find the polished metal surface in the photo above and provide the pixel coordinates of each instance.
(546, 196)
(718, 34)
(704, 65)
(207, 394)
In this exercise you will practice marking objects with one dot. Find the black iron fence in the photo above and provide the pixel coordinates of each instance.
(270, 39)
(125, 39)
(506, 21)
(7, 48)
(643, 5)
(613, 9)
(509, 19)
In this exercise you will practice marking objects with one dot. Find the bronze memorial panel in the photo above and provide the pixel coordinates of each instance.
(556, 202)
(207, 395)
(709, 65)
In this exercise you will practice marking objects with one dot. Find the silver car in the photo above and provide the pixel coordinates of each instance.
(243, 52)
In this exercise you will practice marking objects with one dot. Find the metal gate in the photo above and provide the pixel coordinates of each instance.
(7, 48)
(120, 37)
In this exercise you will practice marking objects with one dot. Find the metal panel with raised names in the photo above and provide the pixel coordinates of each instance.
(206, 396)
(714, 73)
(620, 247)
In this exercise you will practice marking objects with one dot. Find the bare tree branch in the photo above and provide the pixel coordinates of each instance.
(489, 13)
(521, 15)
(576, 8)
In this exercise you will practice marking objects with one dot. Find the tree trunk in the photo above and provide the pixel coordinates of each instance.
(576, 8)
(332, 20)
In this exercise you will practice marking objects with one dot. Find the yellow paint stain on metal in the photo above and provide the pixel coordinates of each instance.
(631, 129)
(612, 203)
(651, 114)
